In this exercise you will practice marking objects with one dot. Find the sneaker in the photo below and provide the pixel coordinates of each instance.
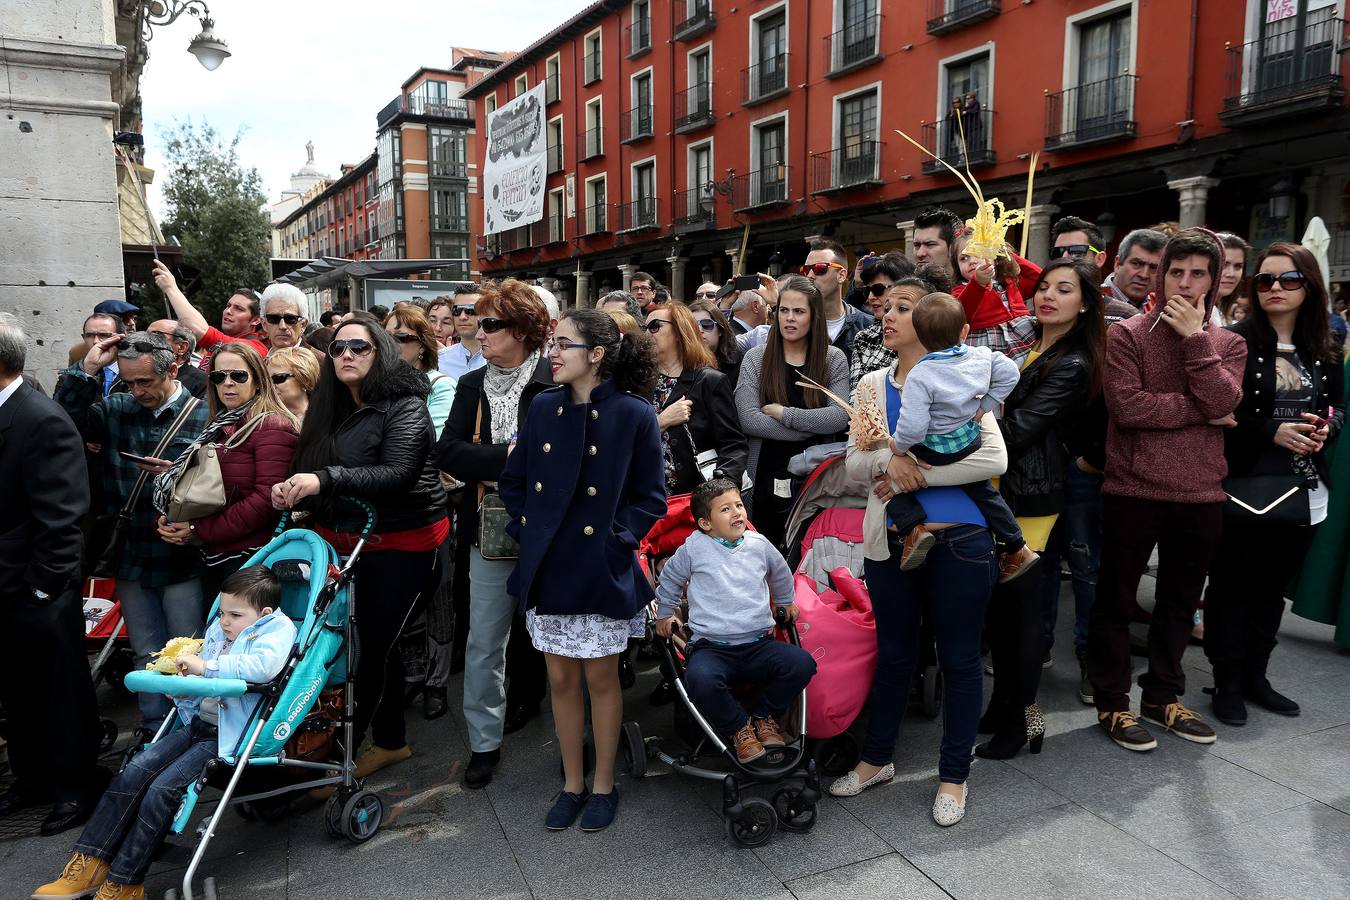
(747, 745)
(600, 810)
(1014, 565)
(110, 891)
(917, 544)
(1085, 693)
(1179, 720)
(376, 758)
(566, 807)
(82, 876)
(768, 732)
(1126, 731)
(478, 773)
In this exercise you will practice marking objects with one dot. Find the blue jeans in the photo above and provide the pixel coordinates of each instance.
(139, 806)
(779, 670)
(1079, 534)
(953, 588)
(153, 616)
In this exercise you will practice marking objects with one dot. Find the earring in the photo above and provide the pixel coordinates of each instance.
(1083, 310)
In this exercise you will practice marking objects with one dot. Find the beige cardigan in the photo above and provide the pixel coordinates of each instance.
(867, 465)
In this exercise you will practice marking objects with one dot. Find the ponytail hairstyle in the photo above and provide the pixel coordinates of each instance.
(630, 357)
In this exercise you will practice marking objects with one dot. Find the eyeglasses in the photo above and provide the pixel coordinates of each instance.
(99, 335)
(819, 269)
(358, 347)
(492, 324)
(1290, 281)
(466, 310)
(706, 295)
(562, 345)
(403, 337)
(655, 325)
(280, 377)
(878, 289)
(1075, 250)
(645, 288)
(238, 376)
(706, 324)
(278, 318)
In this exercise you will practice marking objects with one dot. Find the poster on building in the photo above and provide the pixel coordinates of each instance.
(514, 170)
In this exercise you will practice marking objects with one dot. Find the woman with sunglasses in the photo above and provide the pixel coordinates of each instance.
(1291, 410)
(294, 373)
(581, 491)
(480, 435)
(368, 436)
(696, 410)
(869, 353)
(720, 337)
(781, 418)
(241, 396)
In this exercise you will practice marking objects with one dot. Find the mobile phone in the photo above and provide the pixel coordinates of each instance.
(133, 457)
(746, 282)
(870, 261)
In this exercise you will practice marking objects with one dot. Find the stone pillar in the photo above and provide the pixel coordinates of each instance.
(906, 236)
(1194, 196)
(677, 264)
(583, 297)
(1038, 232)
(734, 254)
(628, 270)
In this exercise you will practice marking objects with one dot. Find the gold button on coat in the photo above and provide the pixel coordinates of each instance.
(590, 491)
(594, 414)
(588, 530)
(522, 520)
(547, 447)
(591, 451)
(560, 410)
(538, 486)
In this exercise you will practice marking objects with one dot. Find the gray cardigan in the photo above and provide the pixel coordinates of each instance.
(797, 424)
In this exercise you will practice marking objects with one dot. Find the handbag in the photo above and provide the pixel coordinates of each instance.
(200, 487)
(493, 541)
(106, 566)
(1273, 499)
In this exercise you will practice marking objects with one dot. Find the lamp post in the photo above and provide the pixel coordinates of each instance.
(210, 50)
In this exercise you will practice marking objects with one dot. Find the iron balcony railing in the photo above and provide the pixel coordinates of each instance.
(762, 187)
(636, 124)
(449, 168)
(539, 233)
(452, 222)
(639, 214)
(595, 218)
(557, 228)
(591, 66)
(1091, 113)
(591, 143)
(693, 107)
(856, 44)
(854, 165)
(639, 36)
(960, 142)
(698, 18)
(509, 240)
(555, 158)
(764, 80)
(690, 209)
(421, 106)
(1292, 71)
(552, 88)
(949, 15)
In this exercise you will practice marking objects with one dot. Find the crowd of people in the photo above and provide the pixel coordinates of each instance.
(1028, 417)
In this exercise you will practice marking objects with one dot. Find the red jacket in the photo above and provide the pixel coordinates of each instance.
(250, 470)
(984, 308)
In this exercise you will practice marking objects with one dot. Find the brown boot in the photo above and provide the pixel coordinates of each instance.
(769, 733)
(917, 544)
(1014, 565)
(111, 891)
(376, 758)
(80, 878)
(748, 748)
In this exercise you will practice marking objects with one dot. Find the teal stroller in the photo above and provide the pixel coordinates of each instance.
(318, 596)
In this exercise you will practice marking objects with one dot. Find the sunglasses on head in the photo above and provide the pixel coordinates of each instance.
(403, 337)
(238, 376)
(1075, 250)
(278, 318)
(144, 346)
(358, 346)
(492, 324)
(280, 377)
(706, 324)
(819, 269)
(1288, 280)
(467, 309)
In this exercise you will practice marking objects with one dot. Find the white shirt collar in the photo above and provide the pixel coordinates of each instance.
(177, 392)
(10, 389)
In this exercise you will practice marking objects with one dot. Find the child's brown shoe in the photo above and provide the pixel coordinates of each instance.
(917, 544)
(769, 733)
(747, 745)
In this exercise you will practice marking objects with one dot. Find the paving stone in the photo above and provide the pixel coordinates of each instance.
(1316, 765)
(883, 876)
(838, 839)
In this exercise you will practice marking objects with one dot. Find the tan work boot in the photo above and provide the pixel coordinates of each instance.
(80, 878)
(111, 891)
(376, 758)
(769, 733)
(747, 746)
(917, 544)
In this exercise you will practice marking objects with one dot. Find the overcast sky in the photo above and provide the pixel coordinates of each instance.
(317, 70)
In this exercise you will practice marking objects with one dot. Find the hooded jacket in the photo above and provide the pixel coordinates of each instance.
(1162, 391)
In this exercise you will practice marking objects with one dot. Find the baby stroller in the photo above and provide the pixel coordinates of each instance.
(105, 635)
(750, 821)
(319, 598)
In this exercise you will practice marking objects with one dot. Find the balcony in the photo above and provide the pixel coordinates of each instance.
(595, 219)
(636, 124)
(639, 215)
(764, 80)
(853, 46)
(690, 214)
(452, 222)
(555, 158)
(846, 168)
(949, 15)
(1094, 113)
(693, 108)
(420, 106)
(557, 228)
(552, 88)
(591, 143)
(761, 188)
(489, 247)
(1286, 74)
(698, 20)
(449, 168)
(591, 67)
(945, 139)
(639, 37)
(509, 241)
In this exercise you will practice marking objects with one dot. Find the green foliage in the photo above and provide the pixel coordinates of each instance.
(217, 211)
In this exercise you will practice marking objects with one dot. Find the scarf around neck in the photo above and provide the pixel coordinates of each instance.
(214, 431)
(504, 388)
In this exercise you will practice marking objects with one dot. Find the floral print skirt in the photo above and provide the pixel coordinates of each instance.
(588, 636)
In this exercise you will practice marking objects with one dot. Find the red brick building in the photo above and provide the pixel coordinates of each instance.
(672, 125)
(344, 219)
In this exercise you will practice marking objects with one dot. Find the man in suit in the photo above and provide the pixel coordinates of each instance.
(44, 674)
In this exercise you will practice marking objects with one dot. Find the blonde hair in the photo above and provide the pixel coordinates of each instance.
(266, 402)
(302, 362)
(627, 324)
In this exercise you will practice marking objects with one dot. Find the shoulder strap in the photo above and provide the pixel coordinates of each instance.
(243, 431)
(478, 422)
(188, 407)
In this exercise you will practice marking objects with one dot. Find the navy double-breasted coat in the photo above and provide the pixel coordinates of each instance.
(583, 486)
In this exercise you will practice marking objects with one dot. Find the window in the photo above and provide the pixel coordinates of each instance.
(553, 79)
(556, 216)
(1103, 95)
(1295, 53)
(429, 95)
(447, 150)
(965, 95)
(700, 177)
(857, 140)
(456, 248)
(639, 122)
(591, 54)
(769, 182)
(490, 103)
(596, 220)
(769, 74)
(449, 209)
(522, 85)
(856, 40)
(644, 195)
(640, 32)
(555, 145)
(594, 135)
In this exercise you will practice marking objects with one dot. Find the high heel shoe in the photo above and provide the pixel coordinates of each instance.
(1005, 746)
(1035, 728)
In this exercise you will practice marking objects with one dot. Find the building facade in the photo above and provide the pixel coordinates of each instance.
(674, 126)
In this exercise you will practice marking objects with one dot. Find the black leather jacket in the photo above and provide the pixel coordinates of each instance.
(713, 425)
(1038, 419)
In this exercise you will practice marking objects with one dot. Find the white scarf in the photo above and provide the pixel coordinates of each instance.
(504, 388)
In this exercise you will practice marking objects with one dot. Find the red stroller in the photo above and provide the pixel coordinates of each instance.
(105, 634)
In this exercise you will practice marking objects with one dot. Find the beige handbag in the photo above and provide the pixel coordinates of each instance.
(200, 488)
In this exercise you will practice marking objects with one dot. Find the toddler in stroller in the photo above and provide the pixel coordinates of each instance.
(250, 640)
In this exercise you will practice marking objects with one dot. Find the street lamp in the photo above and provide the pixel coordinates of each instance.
(210, 50)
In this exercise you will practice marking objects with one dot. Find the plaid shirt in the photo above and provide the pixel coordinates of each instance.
(1014, 339)
(869, 354)
(119, 423)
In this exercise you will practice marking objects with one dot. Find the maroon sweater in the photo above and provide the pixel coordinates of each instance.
(249, 471)
(1161, 392)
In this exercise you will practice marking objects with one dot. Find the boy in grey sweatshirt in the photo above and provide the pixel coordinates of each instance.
(733, 578)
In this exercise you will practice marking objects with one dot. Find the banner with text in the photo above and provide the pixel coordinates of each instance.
(514, 171)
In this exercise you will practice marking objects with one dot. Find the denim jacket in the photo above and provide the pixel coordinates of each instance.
(258, 655)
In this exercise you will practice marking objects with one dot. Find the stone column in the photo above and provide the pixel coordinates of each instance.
(734, 254)
(906, 236)
(628, 270)
(1038, 232)
(1194, 196)
(583, 297)
(676, 285)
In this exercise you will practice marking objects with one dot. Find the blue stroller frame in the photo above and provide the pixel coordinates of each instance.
(319, 598)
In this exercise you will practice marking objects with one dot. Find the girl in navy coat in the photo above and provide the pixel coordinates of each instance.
(583, 487)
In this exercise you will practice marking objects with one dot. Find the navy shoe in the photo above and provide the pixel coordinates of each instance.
(600, 810)
(565, 810)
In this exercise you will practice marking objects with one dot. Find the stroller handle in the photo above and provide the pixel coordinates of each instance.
(365, 507)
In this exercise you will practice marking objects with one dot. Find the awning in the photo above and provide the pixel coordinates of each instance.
(333, 270)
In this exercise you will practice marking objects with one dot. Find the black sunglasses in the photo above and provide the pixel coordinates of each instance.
(280, 377)
(403, 337)
(146, 347)
(492, 324)
(278, 318)
(1290, 281)
(238, 376)
(877, 289)
(707, 324)
(467, 309)
(1072, 250)
(358, 347)
(655, 325)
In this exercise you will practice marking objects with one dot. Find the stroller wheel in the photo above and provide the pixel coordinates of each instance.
(332, 813)
(932, 691)
(107, 735)
(755, 825)
(361, 816)
(793, 816)
(837, 755)
(634, 750)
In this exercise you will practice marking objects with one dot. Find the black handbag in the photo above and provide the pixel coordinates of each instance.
(1272, 499)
